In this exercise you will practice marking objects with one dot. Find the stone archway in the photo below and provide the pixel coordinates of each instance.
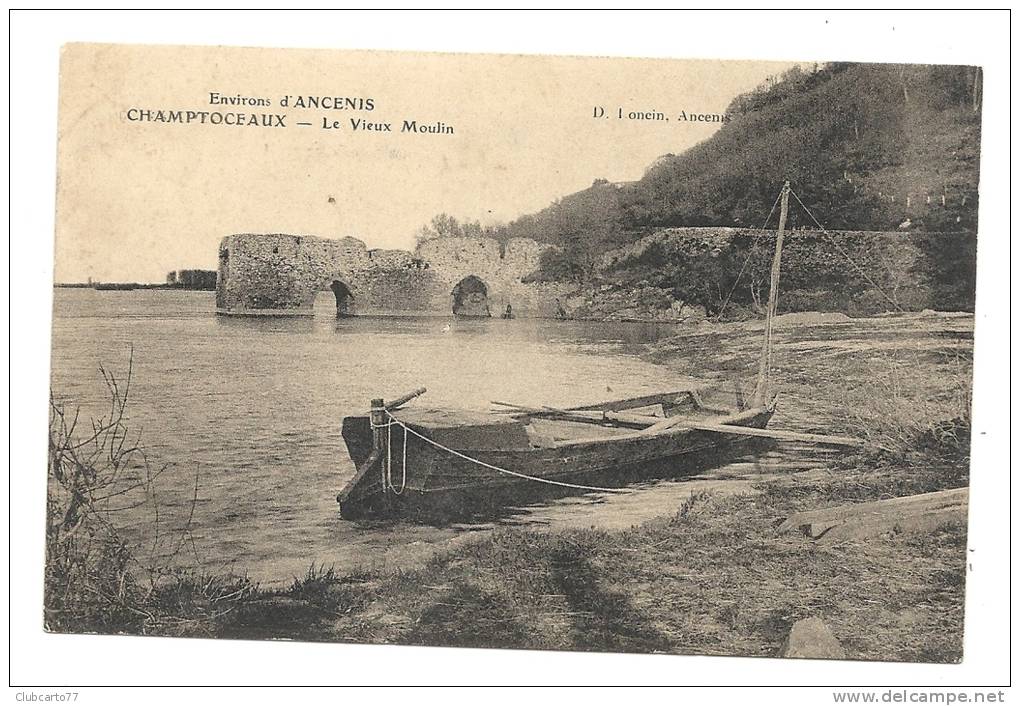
(470, 297)
(344, 298)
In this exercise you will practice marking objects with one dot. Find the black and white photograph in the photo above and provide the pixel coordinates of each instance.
(516, 351)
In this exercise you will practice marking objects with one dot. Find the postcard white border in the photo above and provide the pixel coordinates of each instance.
(961, 38)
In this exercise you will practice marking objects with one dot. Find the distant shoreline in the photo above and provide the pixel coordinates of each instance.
(126, 286)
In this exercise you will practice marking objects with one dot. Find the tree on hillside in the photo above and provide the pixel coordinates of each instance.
(446, 226)
(583, 225)
(587, 227)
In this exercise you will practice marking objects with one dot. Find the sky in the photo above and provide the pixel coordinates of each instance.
(138, 198)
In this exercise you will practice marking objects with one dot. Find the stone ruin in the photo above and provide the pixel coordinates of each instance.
(281, 274)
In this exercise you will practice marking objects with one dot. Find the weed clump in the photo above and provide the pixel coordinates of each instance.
(96, 580)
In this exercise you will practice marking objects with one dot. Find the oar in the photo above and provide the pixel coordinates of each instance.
(663, 424)
(657, 424)
(583, 415)
(519, 408)
(777, 434)
(588, 416)
(532, 410)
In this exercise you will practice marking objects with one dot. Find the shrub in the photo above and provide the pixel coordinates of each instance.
(96, 580)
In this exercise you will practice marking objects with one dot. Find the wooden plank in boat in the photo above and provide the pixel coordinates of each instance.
(777, 434)
(681, 396)
(548, 432)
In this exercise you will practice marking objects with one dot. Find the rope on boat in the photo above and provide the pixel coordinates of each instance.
(388, 467)
(394, 421)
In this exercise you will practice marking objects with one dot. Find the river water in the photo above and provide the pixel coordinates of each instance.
(254, 406)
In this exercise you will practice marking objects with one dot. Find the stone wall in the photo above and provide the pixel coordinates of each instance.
(267, 274)
(849, 271)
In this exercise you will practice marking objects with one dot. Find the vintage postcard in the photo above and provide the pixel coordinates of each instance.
(590, 354)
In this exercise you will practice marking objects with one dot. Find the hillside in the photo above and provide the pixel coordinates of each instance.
(867, 147)
(856, 141)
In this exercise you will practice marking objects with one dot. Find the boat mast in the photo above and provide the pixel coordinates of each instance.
(762, 393)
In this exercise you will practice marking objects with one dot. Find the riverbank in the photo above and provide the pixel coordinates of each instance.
(710, 577)
(713, 578)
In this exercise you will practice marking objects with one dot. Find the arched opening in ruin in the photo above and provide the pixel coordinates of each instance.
(344, 298)
(471, 297)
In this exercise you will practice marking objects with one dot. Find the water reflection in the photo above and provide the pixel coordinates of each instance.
(266, 324)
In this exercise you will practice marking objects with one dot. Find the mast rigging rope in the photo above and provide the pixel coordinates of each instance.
(845, 254)
(750, 252)
(827, 235)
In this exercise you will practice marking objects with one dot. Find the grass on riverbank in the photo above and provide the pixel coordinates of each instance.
(714, 579)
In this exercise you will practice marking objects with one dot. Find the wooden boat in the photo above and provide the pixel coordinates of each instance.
(453, 463)
(444, 462)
